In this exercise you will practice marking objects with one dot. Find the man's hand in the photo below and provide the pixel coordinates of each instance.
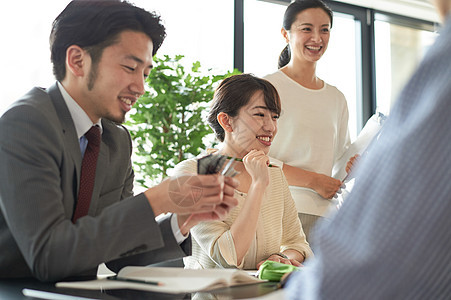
(210, 196)
(220, 212)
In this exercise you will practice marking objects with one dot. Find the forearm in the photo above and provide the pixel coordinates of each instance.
(245, 225)
(299, 177)
(324, 185)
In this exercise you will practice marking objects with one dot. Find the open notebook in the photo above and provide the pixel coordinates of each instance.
(167, 280)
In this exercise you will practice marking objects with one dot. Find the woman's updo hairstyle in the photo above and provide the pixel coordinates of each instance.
(290, 16)
(235, 92)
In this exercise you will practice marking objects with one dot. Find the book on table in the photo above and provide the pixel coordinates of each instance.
(167, 280)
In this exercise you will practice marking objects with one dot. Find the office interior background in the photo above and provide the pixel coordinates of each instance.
(375, 44)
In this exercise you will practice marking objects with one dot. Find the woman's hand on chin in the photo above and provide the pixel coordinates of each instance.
(256, 163)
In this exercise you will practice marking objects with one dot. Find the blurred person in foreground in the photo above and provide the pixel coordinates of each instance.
(391, 238)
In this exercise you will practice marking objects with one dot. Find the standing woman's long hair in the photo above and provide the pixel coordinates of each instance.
(290, 16)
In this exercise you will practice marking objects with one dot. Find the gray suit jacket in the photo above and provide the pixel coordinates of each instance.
(40, 163)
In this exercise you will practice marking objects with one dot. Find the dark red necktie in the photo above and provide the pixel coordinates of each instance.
(88, 172)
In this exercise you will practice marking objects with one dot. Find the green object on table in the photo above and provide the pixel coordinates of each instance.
(273, 271)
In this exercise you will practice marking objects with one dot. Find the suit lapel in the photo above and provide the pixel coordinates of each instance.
(73, 147)
(68, 130)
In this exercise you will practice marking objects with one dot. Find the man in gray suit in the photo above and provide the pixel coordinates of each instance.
(101, 53)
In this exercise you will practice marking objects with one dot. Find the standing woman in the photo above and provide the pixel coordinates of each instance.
(313, 126)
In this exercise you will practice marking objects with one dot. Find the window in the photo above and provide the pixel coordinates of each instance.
(263, 40)
(399, 49)
(341, 65)
(370, 56)
(201, 30)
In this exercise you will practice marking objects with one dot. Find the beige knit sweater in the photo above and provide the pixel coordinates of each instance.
(278, 228)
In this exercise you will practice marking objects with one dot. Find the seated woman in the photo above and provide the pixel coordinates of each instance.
(264, 225)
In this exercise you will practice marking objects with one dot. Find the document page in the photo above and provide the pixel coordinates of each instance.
(366, 136)
(168, 280)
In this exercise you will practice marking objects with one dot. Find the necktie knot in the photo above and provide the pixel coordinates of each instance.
(93, 136)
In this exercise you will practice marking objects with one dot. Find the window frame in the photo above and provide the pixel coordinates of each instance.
(366, 17)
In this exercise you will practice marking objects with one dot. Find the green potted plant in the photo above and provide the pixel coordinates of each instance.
(168, 122)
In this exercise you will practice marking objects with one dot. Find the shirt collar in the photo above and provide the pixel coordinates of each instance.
(81, 120)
